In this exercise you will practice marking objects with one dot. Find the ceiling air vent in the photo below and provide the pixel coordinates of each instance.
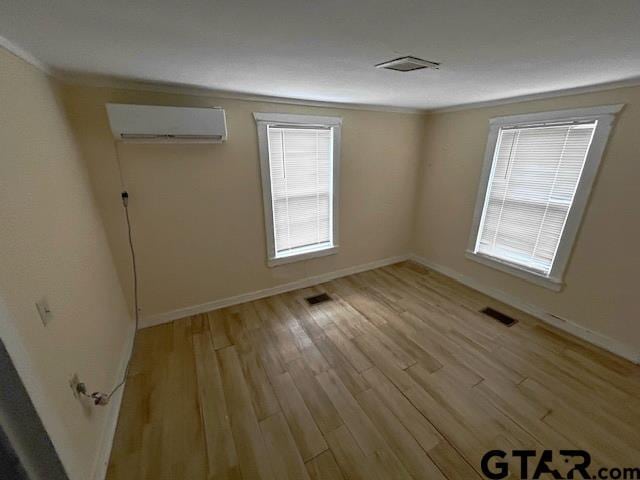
(407, 64)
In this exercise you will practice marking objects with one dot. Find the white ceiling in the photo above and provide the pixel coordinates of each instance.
(324, 50)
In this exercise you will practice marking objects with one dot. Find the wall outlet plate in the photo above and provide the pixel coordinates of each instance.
(44, 311)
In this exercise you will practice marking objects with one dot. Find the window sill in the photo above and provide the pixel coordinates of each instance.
(546, 282)
(323, 252)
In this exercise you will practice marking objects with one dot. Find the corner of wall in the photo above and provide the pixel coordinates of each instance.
(611, 345)
(419, 184)
(108, 434)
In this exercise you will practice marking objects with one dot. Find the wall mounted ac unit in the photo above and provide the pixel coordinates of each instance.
(160, 124)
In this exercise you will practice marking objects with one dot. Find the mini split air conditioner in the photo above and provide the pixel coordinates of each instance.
(160, 124)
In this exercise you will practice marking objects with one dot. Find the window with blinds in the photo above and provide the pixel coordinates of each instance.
(299, 159)
(300, 166)
(534, 176)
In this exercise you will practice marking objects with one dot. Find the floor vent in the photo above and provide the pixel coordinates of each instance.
(323, 297)
(499, 316)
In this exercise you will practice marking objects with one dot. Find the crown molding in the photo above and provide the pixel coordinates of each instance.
(630, 82)
(127, 84)
(99, 81)
(23, 54)
(102, 81)
(89, 80)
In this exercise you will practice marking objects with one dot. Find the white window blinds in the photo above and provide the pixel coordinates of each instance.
(533, 181)
(300, 161)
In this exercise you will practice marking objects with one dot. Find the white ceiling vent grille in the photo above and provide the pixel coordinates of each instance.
(407, 64)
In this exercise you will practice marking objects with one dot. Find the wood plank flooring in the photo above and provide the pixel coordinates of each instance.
(398, 377)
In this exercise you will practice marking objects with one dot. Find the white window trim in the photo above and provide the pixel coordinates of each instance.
(605, 116)
(263, 120)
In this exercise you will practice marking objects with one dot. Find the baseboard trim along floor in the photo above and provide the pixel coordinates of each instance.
(595, 338)
(267, 292)
(113, 413)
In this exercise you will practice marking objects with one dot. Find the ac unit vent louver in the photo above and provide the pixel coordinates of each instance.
(163, 124)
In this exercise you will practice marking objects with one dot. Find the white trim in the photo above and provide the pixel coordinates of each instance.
(322, 252)
(519, 272)
(267, 292)
(616, 347)
(263, 121)
(102, 81)
(21, 53)
(106, 81)
(590, 336)
(584, 113)
(565, 92)
(605, 116)
(108, 433)
(293, 119)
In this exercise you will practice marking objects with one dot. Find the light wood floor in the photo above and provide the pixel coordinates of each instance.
(398, 377)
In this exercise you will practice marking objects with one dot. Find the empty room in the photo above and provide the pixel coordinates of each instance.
(303, 240)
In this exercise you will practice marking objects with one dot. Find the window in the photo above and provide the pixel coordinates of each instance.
(299, 157)
(538, 173)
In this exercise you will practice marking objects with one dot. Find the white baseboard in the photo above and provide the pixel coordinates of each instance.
(109, 432)
(595, 338)
(267, 292)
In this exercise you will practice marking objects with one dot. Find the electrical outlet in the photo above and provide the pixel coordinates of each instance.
(44, 311)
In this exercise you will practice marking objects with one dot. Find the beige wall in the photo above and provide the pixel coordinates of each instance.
(52, 243)
(197, 209)
(602, 287)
